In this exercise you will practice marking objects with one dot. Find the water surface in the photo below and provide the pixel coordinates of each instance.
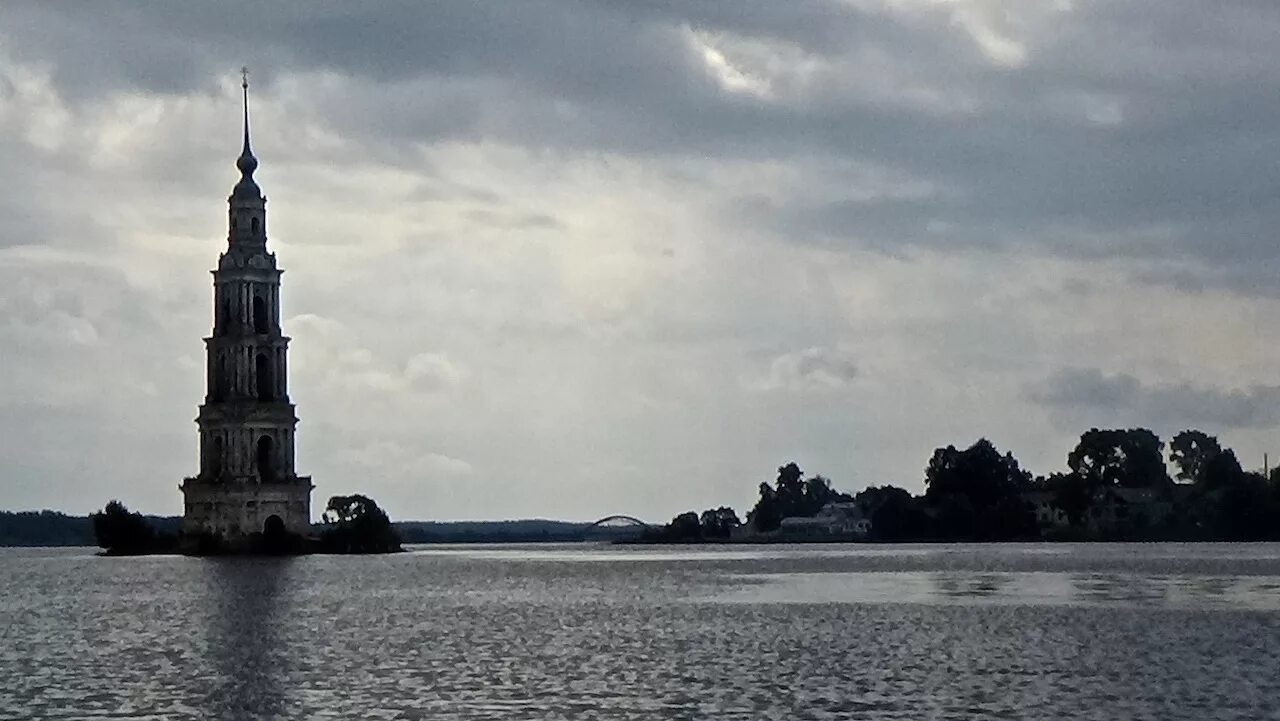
(1169, 631)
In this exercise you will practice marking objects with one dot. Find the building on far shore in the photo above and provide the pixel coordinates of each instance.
(1122, 509)
(836, 520)
(247, 488)
(1044, 504)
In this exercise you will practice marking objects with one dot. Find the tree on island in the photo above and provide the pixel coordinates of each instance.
(355, 524)
(1129, 458)
(1192, 452)
(791, 495)
(1226, 502)
(124, 533)
(1072, 494)
(895, 514)
(714, 524)
(1112, 458)
(979, 473)
(718, 522)
(976, 493)
(1244, 506)
(684, 527)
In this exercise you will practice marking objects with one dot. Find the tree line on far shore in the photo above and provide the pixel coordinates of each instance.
(1117, 486)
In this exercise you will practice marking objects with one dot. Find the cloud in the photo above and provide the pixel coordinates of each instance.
(432, 372)
(811, 369)
(404, 464)
(616, 255)
(1090, 392)
(342, 366)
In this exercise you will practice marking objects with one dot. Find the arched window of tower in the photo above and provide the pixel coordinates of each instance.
(220, 380)
(265, 385)
(259, 314)
(254, 224)
(225, 320)
(266, 470)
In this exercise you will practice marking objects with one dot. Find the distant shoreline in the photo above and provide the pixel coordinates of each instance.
(54, 529)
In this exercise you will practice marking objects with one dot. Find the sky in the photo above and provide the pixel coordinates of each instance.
(569, 259)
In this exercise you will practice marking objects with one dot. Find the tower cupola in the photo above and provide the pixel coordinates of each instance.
(247, 211)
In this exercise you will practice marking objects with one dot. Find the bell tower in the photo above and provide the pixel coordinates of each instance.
(247, 483)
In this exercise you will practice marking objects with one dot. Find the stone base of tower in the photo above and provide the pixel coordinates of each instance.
(245, 517)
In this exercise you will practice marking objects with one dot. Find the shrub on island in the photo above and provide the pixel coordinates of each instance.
(355, 524)
(120, 532)
(715, 524)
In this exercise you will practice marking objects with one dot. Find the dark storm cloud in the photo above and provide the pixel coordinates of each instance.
(1124, 398)
(1122, 130)
(1196, 136)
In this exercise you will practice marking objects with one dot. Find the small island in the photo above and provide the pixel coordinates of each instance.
(352, 524)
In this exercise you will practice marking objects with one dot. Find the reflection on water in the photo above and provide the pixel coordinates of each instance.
(979, 585)
(243, 640)
(1038, 632)
(1123, 590)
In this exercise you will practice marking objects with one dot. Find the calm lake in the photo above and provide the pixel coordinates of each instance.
(1165, 631)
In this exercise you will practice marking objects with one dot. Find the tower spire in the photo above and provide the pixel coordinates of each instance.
(244, 87)
(246, 162)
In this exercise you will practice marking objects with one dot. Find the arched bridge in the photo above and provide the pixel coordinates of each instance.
(614, 528)
(619, 522)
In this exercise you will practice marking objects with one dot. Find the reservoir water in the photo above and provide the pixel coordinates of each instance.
(1168, 631)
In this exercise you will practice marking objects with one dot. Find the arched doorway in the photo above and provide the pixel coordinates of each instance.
(273, 527)
(266, 464)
